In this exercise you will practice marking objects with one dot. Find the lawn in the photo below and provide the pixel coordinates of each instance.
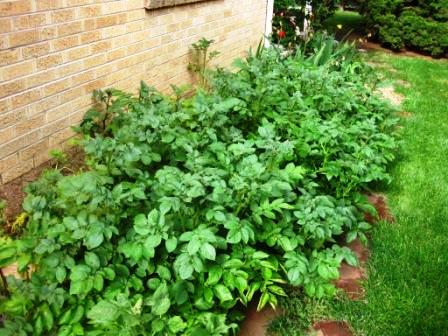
(406, 290)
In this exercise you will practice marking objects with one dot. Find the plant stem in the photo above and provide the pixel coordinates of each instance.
(5, 284)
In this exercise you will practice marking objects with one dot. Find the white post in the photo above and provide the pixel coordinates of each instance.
(268, 24)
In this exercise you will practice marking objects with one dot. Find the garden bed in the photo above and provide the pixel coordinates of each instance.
(193, 205)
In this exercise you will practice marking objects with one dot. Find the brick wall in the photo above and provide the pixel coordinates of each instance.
(53, 53)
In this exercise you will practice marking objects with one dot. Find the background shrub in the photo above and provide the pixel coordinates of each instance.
(419, 25)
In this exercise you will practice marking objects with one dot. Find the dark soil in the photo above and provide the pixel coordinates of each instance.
(13, 192)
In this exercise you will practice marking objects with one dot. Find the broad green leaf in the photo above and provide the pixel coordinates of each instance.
(92, 260)
(208, 251)
(141, 225)
(223, 293)
(176, 324)
(186, 271)
(234, 236)
(214, 275)
(171, 244)
(61, 273)
(161, 301)
(164, 272)
(193, 246)
(93, 240)
(153, 241)
(98, 282)
(103, 312)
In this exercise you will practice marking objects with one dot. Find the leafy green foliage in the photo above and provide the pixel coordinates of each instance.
(201, 58)
(420, 25)
(194, 205)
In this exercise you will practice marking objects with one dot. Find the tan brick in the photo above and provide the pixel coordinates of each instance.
(5, 25)
(133, 15)
(40, 78)
(16, 70)
(135, 48)
(116, 54)
(59, 112)
(42, 157)
(49, 61)
(5, 106)
(95, 85)
(89, 24)
(135, 4)
(77, 117)
(9, 56)
(17, 171)
(56, 87)
(70, 28)
(113, 31)
(122, 18)
(70, 3)
(32, 150)
(77, 53)
(9, 161)
(9, 8)
(63, 15)
(101, 46)
(43, 105)
(95, 60)
(23, 38)
(28, 125)
(30, 21)
(61, 136)
(11, 88)
(4, 42)
(54, 127)
(90, 11)
(114, 7)
(134, 26)
(7, 134)
(70, 69)
(84, 77)
(106, 21)
(18, 143)
(66, 42)
(36, 50)
(73, 93)
(91, 36)
(25, 98)
(49, 4)
(48, 33)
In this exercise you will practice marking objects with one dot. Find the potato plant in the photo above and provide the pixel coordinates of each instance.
(193, 207)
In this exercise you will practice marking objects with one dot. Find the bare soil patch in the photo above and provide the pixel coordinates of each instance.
(389, 93)
(13, 192)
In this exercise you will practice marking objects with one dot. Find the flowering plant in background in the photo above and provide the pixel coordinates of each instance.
(294, 20)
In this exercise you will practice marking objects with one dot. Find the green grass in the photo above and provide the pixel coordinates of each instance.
(407, 288)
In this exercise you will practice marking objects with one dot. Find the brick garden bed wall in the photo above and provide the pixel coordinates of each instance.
(53, 53)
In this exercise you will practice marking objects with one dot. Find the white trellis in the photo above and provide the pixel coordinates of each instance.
(269, 16)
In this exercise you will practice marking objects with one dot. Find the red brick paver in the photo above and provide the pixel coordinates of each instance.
(332, 328)
(256, 323)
